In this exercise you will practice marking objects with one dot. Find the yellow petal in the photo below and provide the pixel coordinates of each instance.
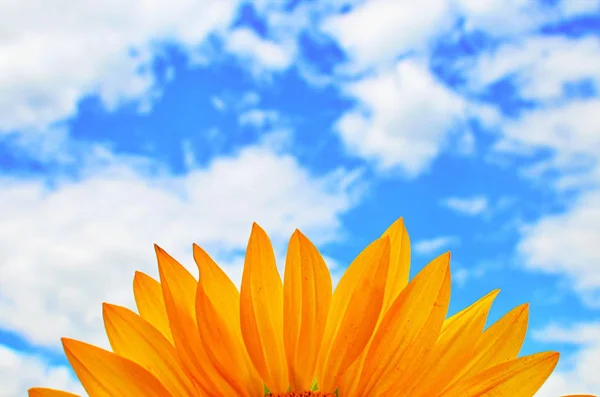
(179, 292)
(135, 339)
(218, 312)
(521, 377)
(399, 270)
(397, 279)
(354, 310)
(499, 343)
(150, 303)
(408, 331)
(105, 374)
(43, 392)
(307, 295)
(261, 310)
(453, 349)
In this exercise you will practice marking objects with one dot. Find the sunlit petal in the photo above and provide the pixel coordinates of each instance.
(105, 374)
(411, 326)
(307, 296)
(179, 291)
(261, 311)
(218, 312)
(521, 377)
(354, 310)
(151, 304)
(132, 337)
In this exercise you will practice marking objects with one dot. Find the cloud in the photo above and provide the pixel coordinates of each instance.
(403, 118)
(52, 56)
(434, 245)
(20, 371)
(263, 54)
(578, 7)
(561, 140)
(375, 32)
(67, 245)
(467, 205)
(569, 133)
(543, 68)
(218, 103)
(578, 373)
(258, 118)
(502, 17)
(567, 244)
(462, 275)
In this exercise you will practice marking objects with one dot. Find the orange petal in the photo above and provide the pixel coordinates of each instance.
(135, 339)
(43, 392)
(150, 303)
(521, 377)
(261, 311)
(397, 279)
(355, 308)
(105, 374)
(408, 331)
(499, 343)
(179, 292)
(307, 295)
(453, 349)
(399, 270)
(218, 313)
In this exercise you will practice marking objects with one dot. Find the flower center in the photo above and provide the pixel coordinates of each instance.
(301, 394)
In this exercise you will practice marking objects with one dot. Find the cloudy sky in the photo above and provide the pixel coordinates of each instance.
(123, 124)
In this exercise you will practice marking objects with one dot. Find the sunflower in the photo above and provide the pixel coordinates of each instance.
(376, 335)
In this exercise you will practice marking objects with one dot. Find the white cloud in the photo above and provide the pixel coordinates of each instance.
(467, 205)
(262, 53)
(258, 118)
(568, 132)
(65, 250)
(578, 373)
(578, 334)
(434, 245)
(53, 54)
(218, 103)
(542, 66)
(570, 129)
(501, 17)
(403, 119)
(20, 371)
(375, 32)
(517, 17)
(568, 135)
(462, 275)
(567, 244)
(570, 8)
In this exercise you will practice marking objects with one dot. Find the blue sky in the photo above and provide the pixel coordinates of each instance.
(124, 126)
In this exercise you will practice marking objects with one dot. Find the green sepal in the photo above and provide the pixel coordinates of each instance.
(314, 386)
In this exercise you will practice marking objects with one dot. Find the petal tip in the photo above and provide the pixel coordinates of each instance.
(159, 251)
(67, 343)
(197, 251)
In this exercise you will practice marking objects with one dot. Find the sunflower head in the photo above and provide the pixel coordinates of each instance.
(377, 334)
